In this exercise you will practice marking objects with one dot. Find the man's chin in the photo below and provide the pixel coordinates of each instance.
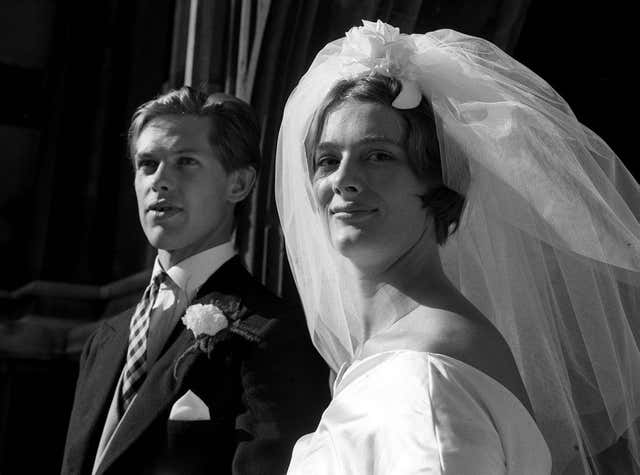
(179, 246)
(163, 240)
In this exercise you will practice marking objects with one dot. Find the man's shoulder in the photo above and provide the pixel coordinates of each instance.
(262, 300)
(114, 323)
(277, 319)
(260, 303)
(101, 330)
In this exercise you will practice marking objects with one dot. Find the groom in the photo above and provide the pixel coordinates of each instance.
(153, 398)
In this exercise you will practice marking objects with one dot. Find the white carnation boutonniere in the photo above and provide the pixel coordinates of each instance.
(213, 320)
(381, 48)
(205, 321)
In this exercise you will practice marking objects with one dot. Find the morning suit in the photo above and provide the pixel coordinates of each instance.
(263, 392)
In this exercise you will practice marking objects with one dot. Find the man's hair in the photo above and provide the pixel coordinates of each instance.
(235, 132)
(420, 140)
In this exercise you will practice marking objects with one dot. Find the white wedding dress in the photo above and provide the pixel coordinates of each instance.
(409, 412)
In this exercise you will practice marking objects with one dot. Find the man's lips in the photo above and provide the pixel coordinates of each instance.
(163, 210)
(163, 207)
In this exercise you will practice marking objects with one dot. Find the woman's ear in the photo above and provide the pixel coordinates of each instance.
(240, 184)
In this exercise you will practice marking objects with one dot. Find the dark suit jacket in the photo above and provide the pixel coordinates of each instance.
(262, 396)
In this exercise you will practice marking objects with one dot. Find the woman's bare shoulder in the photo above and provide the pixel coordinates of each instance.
(471, 338)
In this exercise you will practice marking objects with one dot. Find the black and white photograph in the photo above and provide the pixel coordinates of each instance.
(309, 237)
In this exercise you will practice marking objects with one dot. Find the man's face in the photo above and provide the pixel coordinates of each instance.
(183, 191)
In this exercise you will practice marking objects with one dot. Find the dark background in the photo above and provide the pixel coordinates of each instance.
(71, 74)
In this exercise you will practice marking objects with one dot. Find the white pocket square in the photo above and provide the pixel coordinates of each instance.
(189, 408)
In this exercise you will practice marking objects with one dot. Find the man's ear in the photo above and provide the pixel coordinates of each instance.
(240, 184)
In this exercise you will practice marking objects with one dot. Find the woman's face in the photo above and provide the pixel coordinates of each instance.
(365, 187)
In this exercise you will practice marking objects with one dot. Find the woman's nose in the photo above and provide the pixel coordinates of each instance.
(347, 179)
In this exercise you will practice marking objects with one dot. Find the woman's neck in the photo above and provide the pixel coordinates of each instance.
(391, 290)
(419, 270)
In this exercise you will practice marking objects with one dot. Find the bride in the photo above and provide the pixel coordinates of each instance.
(468, 261)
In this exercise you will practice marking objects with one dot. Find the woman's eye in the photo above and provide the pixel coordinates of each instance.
(326, 162)
(380, 157)
(187, 161)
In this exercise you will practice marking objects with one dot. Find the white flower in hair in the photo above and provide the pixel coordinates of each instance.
(380, 48)
(204, 319)
(371, 40)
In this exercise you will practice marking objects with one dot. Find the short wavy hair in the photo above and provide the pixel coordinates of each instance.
(235, 132)
(421, 142)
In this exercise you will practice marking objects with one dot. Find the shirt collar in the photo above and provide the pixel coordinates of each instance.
(190, 273)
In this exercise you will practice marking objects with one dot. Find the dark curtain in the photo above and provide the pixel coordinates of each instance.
(74, 218)
(71, 74)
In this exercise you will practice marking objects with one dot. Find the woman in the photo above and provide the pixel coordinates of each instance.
(438, 198)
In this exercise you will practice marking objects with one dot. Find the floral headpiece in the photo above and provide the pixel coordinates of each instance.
(381, 48)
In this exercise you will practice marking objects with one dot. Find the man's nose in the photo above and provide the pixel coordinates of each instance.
(162, 178)
(347, 179)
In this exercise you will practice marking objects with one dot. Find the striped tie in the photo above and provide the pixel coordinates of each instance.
(136, 368)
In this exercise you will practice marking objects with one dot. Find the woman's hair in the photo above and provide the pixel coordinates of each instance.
(421, 142)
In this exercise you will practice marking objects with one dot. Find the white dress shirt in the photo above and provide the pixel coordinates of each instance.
(174, 296)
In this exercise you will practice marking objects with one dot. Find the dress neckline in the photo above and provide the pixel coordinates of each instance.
(343, 379)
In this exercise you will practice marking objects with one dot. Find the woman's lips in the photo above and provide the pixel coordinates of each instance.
(353, 215)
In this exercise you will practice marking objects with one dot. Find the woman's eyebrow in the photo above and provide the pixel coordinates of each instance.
(326, 146)
(367, 139)
(378, 139)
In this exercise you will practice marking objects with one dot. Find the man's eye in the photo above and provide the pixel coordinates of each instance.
(147, 164)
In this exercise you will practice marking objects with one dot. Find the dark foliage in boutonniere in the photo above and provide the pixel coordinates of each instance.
(212, 320)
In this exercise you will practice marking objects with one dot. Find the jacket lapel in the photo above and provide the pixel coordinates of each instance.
(158, 390)
(94, 401)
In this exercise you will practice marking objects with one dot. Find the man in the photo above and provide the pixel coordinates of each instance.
(210, 373)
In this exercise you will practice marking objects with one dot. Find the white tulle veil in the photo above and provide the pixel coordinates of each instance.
(548, 246)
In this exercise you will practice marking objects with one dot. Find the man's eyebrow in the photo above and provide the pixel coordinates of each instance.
(142, 155)
(186, 150)
(151, 154)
